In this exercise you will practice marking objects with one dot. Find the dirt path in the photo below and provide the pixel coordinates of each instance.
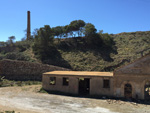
(26, 100)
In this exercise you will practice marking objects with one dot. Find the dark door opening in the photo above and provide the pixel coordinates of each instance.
(128, 91)
(84, 86)
(147, 91)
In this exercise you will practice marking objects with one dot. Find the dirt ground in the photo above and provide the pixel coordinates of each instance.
(27, 99)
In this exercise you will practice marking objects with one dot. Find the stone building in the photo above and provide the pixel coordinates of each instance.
(130, 81)
(133, 80)
(78, 82)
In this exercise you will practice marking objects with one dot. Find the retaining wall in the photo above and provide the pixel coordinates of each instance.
(23, 70)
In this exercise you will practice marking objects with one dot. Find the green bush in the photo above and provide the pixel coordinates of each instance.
(107, 40)
(23, 45)
(17, 56)
(42, 91)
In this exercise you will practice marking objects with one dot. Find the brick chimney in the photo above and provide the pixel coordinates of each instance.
(28, 26)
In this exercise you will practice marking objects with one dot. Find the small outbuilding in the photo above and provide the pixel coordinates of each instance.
(130, 81)
(79, 82)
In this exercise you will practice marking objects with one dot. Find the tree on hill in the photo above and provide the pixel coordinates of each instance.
(58, 31)
(89, 29)
(76, 26)
(81, 25)
(74, 29)
(107, 39)
(35, 32)
(66, 30)
(92, 38)
(11, 40)
(43, 44)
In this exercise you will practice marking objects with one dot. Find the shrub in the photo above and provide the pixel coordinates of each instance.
(17, 56)
(23, 45)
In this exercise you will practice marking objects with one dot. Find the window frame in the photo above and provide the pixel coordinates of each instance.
(52, 79)
(106, 84)
(64, 81)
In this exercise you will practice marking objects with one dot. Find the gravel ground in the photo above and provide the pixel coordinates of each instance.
(26, 99)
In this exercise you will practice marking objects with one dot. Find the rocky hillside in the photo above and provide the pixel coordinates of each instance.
(127, 47)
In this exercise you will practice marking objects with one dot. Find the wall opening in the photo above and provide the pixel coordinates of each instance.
(84, 86)
(127, 91)
(147, 91)
(65, 81)
(52, 81)
(106, 83)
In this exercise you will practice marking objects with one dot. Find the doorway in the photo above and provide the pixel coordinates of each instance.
(128, 91)
(84, 86)
(147, 91)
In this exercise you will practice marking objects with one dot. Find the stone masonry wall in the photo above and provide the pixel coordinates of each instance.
(22, 70)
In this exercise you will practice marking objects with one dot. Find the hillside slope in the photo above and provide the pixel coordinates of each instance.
(127, 48)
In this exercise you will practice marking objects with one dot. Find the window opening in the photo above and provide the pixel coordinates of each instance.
(52, 80)
(65, 81)
(106, 84)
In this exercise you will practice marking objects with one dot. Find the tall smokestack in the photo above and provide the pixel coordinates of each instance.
(28, 26)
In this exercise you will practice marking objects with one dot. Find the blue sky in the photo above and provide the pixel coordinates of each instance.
(111, 16)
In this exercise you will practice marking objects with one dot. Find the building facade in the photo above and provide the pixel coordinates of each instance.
(77, 82)
(130, 81)
(133, 80)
